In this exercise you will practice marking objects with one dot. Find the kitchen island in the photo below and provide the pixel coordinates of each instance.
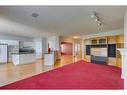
(23, 58)
(49, 59)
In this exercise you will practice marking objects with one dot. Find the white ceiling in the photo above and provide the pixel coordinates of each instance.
(66, 20)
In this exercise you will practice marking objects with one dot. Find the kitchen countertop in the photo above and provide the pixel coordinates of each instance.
(47, 53)
(50, 52)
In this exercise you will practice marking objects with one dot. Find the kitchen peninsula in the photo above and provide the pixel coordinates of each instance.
(24, 57)
(51, 57)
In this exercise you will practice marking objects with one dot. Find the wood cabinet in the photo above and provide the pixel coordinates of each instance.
(117, 40)
(99, 40)
(112, 39)
(88, 58)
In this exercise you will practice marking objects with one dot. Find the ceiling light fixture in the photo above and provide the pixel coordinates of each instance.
(75, 37)
(96, 18)
(93, 14)
(99, 23)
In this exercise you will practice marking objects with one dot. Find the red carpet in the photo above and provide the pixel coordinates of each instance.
(79, 75)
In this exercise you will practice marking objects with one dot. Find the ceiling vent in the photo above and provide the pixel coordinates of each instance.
(35, 15)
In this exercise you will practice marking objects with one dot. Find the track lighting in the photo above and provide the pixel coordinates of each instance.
(96, 18)
(99, 23)
(93, 15)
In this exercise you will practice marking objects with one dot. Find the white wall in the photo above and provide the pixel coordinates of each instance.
(8, 26)
(15, 37)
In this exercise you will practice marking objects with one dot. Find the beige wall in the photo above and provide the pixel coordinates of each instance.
(67, 39)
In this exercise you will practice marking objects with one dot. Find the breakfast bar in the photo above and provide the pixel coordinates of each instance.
(23, 58)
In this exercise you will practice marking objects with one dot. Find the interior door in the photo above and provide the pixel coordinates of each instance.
(3, 53)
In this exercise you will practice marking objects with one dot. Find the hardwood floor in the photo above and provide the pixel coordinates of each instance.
(10, 73)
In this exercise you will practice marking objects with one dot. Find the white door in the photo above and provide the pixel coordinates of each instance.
(3, 53)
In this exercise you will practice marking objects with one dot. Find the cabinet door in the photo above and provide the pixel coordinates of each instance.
(88, 48)
(102, 41)
(15, 58)
(94, 41)
(111, 50)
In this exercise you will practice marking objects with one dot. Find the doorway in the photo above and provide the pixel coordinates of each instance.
(66, 48)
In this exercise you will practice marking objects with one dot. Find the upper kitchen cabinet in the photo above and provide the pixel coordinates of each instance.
(3, 41)
(26, 44)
